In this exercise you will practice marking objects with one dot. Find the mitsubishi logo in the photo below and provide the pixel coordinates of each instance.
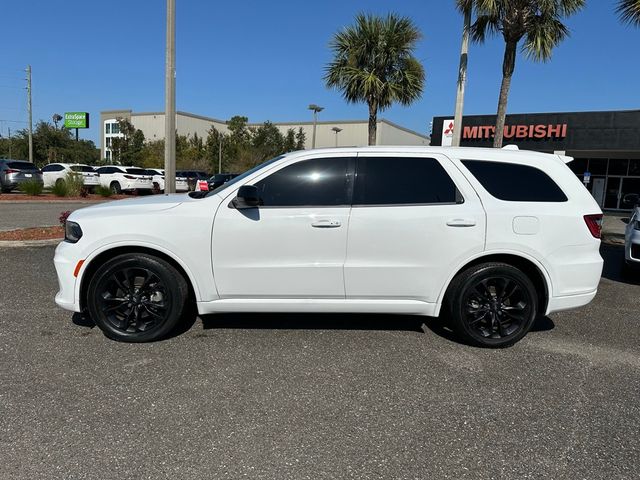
(449, 130)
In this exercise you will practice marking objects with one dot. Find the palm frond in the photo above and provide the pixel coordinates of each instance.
(629, 11)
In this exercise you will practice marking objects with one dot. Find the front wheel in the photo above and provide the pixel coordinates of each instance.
(136, 297)
(492, 305)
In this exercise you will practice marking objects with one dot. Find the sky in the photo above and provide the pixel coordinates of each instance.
(266, 60)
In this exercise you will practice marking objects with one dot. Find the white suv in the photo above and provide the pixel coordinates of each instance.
(57, 173)
(489, 239)
(157, 178)
(124, 179)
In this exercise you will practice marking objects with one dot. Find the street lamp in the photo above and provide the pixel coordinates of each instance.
(337, 130)
(315, 109)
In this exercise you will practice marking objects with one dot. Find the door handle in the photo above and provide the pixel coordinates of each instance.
(461, 222)
(326, 224)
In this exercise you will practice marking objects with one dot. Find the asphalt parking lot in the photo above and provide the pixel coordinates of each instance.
(315, 396)
(29, 213)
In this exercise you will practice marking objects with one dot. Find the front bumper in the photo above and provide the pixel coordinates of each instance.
(65, 262)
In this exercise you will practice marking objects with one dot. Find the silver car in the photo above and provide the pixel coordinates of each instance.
(15, 172)
(632, 233)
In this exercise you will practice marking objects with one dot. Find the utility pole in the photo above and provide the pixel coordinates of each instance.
(462, 79)
(170, 101)
(10, 156)
(30, 113)
(315, 109)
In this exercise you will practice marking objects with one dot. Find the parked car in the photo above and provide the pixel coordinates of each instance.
(489, 239)
(220, 179)
(193, 176)
(157, 177)
(125, 179)
(632, 235)
(57, 172)
(15, 172)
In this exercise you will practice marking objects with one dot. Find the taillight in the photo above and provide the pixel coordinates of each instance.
(130, 177)
(594, 224)
(10, 170)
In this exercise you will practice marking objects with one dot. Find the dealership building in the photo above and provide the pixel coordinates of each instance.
(605, 145)
(328, 133)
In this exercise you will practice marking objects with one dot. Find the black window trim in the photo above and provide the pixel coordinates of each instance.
(351, 162)
(459, 201)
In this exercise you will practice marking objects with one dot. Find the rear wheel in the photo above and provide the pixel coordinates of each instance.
(492, 305)
(136, 297)
(116, 188)
(60, 181)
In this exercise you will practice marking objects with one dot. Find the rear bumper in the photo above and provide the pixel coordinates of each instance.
(568, 302)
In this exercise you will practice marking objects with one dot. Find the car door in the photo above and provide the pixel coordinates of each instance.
(414, 219)
(294, 244)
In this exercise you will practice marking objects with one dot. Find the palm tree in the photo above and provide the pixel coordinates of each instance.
(374, 63)
(538, 22)
(629, 11)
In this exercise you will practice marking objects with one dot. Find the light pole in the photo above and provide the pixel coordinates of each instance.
(170, 101)
(337, 130)
(315, 109)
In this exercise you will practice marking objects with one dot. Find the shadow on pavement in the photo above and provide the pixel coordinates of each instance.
(613, 256)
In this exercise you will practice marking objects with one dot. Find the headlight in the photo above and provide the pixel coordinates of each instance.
(72, 232)
(637, 227)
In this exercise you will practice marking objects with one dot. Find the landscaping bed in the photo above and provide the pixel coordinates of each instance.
(37, 233)
(47, 197)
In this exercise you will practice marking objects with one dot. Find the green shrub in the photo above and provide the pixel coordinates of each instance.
(60, 189)
(75, 184)
(31, 187)
(103, 191)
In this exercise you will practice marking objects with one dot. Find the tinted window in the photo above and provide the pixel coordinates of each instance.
(81, 168)
(399, 180)
(21, 166)
(52, 168)
(515, 183)
(318, 182)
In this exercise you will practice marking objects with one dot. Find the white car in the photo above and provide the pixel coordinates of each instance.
(124, 179)
(490, 239)
(57, 172)
(157, 177)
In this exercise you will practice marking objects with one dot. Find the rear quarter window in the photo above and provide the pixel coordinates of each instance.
(513, 182)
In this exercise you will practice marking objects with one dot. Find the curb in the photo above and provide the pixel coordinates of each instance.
(613, 238)
(29, 243)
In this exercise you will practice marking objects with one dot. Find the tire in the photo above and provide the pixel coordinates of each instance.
(60, 181)
(492, 305)
(115, 188)
(136, 298)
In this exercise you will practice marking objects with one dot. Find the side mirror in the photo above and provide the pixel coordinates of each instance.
(631, 200)
(247, 197)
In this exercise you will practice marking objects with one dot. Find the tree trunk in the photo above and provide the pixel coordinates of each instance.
(373, 121)
(508, 67)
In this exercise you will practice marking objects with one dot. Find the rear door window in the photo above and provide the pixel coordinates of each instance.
(403, 181)
(513, 182)
(82, 168)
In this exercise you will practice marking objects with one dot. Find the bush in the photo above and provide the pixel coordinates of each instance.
(31, 187)
(59, 189)
(75, 184)
(103, 191)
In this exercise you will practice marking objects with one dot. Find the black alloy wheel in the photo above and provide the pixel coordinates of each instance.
(136, 297)
(493, 305)
(116, 188)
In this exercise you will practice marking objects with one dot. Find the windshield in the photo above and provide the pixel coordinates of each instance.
(243, 176)
(137, 171)
(82, 168)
